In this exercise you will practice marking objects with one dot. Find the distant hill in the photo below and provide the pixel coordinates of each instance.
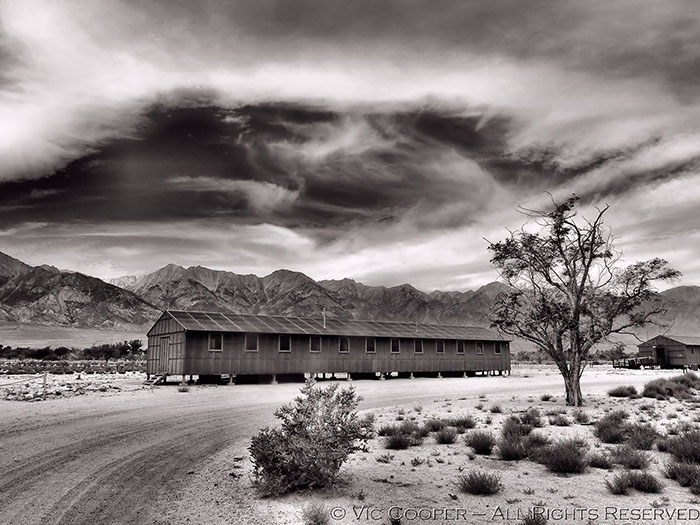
(44, 295)
(284, 292)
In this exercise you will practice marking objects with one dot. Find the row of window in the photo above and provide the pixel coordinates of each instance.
(284, 344)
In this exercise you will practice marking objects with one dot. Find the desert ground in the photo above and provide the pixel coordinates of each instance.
(135, 455)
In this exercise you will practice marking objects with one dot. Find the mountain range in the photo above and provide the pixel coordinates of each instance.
(45, 295)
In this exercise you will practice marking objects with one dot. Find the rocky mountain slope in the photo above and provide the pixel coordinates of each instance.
(284, 292)
(48, 296)
(45, 295)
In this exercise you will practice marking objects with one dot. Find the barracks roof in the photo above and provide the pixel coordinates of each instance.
(273, 324)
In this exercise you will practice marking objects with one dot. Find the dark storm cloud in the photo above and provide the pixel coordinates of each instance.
(288, 164)
(367, 133)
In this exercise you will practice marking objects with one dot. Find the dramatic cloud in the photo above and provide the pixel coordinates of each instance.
(377, 140)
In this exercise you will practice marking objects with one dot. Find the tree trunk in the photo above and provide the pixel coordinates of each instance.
(572, 383)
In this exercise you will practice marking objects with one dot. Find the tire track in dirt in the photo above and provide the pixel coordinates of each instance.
(43, 477)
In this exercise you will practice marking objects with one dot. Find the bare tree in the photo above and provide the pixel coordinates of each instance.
(568, 291)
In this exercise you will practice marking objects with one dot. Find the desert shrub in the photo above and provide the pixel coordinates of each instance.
(385, 458)
(532, 418)
(546, 397)
(446, 436)
(495, 409)
(641, 436)
(318, 431)
(534, 442)
(611, 428)
(511, 449)
(623, 391)
(409, 427)
(629, 457)
(559, 421)
(462, 422)
(397, 442)
(600, 460)
(315, 514)
(388, 430)
(644, 482)
(417, 462)
(513, 427)
(684, 473)
(678, 386)
(434, 425)
(619, 484)
(421, 432)
(480, 483)
(566, 456)
(481, 441)
(686, 446)
(662, 444)
(581, 417)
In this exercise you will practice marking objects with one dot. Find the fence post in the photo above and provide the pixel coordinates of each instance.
(46, 373)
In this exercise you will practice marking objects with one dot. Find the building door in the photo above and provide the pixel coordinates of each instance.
(661, 356)
(163, 355)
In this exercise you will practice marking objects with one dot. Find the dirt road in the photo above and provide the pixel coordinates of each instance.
(138, 457)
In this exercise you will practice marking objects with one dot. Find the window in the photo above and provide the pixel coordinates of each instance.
(251, 342)
(479, 347)
(395, 346)
(418, 346)
(285, 343)
(460, 347)
(498, 348)
(343, 345)
(440, 347)
(370, 345)
(315, 343)
(216, 342)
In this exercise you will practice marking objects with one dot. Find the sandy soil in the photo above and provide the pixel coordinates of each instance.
(162, 456)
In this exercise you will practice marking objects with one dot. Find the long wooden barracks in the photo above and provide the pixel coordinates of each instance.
(222, 344)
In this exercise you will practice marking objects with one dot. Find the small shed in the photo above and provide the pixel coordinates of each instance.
(672, 351)
(233, 345)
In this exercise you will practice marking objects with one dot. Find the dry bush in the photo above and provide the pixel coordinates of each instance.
(532, 418)
(641, 435)
(686, 474)
(566, 456)
(680, 387)
(480, 483)
(644, 482)
(318, 431)
(559, 421)
(611, 428)
(623, 391)
(397, 442)
(434, 425)
(462, 423)
(686, 446)
(446, 436)
(619, 484)
(315, 514)
(600, 460)
(481, 441)
(629, 457)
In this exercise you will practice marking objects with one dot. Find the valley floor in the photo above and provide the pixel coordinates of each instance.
(164, 456)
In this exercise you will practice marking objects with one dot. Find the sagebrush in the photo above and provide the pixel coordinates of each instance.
(317, 433)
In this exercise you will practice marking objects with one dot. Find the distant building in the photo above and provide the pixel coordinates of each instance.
(672, 351)
(228, 344)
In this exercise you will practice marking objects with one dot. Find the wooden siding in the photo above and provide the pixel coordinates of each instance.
(234, 359)
(172, 359)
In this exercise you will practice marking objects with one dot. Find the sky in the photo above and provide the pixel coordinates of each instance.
(381, 141)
